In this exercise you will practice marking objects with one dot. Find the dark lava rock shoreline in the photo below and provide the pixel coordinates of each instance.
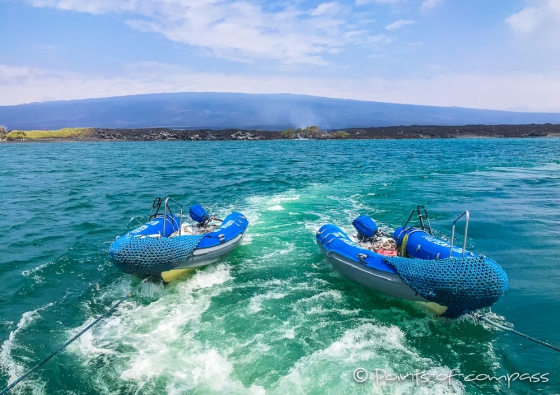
(154, 134)
(374, 133)
(467, 131)
(382, 133)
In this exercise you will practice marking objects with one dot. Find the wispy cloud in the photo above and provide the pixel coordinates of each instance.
(400, 23)
(232, 29)
(541, 22)
(326, 8)
(362, 2)
(506, 91)
(379, 39)
(429, 4)
(93, 6)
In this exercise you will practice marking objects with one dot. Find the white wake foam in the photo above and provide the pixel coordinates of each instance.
(369, 346)
(12, 368)
(157, 344)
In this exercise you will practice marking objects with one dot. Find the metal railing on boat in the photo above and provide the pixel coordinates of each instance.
(418, 210)
(166, 207)
(156, 205)
(467, 215)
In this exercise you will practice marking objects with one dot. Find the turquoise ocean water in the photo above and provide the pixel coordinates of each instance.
(273, 317)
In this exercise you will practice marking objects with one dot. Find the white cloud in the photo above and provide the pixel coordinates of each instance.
(232, 29)
(541, 22)
(93, 6)
(326, 8)
(536, 92)
(428, 4)
(400, 23)
(362, 2)
(379, 39)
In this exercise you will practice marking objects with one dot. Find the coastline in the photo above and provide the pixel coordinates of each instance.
(373, 133)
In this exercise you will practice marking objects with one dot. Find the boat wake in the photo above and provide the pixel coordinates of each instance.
(9, 364)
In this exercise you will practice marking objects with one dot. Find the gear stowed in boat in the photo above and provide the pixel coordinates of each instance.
(415, 265)
(166, 243)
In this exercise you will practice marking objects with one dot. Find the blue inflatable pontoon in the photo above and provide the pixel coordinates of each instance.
(414, 265)
(165, 243)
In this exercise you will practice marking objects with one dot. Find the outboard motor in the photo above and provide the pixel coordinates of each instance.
(199, 214)
(365, 226)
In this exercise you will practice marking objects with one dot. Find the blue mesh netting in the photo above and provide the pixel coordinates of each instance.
(151, 255)
(462, 285)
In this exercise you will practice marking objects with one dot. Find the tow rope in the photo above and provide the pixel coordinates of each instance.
(480, 317)
(20, 379)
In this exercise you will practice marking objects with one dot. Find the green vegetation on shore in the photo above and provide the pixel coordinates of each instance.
(312, 132)
(341, 134)
(47, 134)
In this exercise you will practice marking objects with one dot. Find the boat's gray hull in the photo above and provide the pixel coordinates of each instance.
(206, 256)
(389, 284)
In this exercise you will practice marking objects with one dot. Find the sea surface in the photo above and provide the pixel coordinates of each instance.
(273, 317)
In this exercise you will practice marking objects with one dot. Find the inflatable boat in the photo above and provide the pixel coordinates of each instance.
(412, 264)
(166, 243)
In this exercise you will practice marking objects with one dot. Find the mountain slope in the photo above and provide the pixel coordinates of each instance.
(246, 111)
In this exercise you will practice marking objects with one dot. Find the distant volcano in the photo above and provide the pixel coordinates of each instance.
(246, 111)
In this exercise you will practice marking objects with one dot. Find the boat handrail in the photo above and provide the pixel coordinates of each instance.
(155, 208)
(467, 215)
(423, 226)
(166, 207)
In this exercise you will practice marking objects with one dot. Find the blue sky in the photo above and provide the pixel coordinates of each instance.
(482, 54)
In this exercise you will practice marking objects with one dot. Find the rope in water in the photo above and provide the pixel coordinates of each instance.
(12, 385)
(481, 317)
